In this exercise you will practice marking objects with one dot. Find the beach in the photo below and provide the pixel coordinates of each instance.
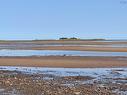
(65, 61)
(63, 47)
(63, 67)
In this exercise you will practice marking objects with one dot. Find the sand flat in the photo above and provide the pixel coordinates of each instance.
(64, 61)
(81, 48)
(41, 45)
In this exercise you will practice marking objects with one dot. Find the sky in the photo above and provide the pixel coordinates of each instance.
(52, 19)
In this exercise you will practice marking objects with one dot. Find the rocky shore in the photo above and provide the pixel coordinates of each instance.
(18, 83)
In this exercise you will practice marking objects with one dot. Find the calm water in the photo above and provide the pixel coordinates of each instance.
(94, 72)
(58, 53)
(43, 45)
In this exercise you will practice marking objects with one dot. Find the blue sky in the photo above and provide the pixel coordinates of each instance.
(51, 19)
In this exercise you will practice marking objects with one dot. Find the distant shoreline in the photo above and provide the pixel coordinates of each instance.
(67, 40)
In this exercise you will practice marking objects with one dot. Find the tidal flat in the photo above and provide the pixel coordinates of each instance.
(62, 81)
(63, 67)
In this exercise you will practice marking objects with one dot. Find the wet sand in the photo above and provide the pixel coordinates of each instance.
(81, 48)
(101, 42)
(40, 45)
(65, 61)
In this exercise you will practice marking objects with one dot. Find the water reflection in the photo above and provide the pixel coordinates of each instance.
(58, 53)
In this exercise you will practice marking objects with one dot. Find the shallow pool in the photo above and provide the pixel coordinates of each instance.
(58, 53)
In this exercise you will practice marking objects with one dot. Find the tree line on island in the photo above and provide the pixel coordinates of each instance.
(74, 38)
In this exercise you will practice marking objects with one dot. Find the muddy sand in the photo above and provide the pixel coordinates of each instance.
(65, 61)
(80, 48)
